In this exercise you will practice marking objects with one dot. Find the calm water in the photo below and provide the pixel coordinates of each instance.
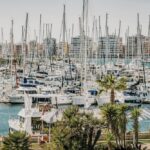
(10, 111)
(144, 125)
(7, 111)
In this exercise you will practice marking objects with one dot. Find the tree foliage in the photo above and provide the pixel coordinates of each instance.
(135, 113)
(16, 141)
(76, 131)
(114, 117)
(110, 82)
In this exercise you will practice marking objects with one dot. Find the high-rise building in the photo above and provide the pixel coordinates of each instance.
(137, 45)
(110, 46)
(77, 47)
(131, 46)
(18, 49)
(49, 47)
(63, 49)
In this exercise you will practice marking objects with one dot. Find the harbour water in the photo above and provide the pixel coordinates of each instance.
(10, 111)
(144, 125)
(7, 111)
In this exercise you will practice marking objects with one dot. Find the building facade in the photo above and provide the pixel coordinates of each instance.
(137, 46)
(110, 47)
(79, 45)
(49, 47)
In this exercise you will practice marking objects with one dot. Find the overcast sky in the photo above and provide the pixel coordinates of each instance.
(51, 10)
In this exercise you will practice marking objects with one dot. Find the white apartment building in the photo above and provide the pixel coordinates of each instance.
(77, 47)
(110, 47)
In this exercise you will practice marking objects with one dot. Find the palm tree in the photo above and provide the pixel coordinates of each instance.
(122, 122)
(76, 130)
(110, 117)
(135, 113)
(114, 118)
(110, 82)
(109, 139)
(16, 141)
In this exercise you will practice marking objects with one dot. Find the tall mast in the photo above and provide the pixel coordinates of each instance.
(100, 36)
(44, 48)
(100, 30)
(107, 37)
(118, 39)
(72, 33)
(22, 38)
(138, 37)
(125, 52)
(93, 37)
(128, 46)
(40, 31)
(142, 57)
(96, 37)
(80, 26)
(132, 46)
(86, 38)
(25, 40)
(82, 33)
(2, 36)
(47, 43)
(64, 31)
(12, 44)
(149, 38)
(81, 39)
(51, 49)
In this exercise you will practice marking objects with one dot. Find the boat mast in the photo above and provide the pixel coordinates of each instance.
(100, 38)
(47, 46)
(100, 30)
(142, 53)
(2, 36)
(64, 32)
(81, 43)
(72, 35)
(132, 46)
(149, 38)
(86, 39)
(118, 40)
(125, 53)
(128, 46)
(12, 45)
(40, 31)
(93, 32)
(83, 39)
(96, 37)
(107, 37)
(43, 47)
(138, 37)
(22, 38)
(50, 45)
(25, 42)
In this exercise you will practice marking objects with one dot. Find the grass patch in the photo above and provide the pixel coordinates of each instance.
(40, 146)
